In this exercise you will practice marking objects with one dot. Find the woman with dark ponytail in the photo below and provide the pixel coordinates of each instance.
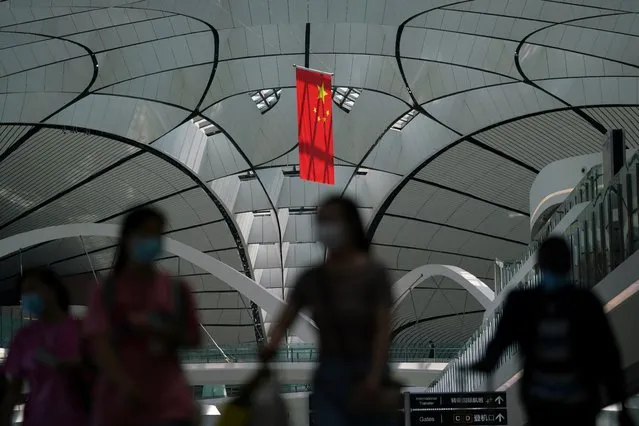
(136, 322)
(45, 355)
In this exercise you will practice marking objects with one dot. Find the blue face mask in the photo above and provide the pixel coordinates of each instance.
(145, 250)
(32, 304)
(552, 282)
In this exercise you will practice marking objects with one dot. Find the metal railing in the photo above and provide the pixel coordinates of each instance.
(604, 235)
(309, 353)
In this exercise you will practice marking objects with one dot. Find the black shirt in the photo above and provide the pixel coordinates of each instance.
(567, 346)
(344, 304)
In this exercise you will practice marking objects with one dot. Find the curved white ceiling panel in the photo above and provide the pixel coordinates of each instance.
(10, 135)
(187, 144)
(432, 80)
(402, 151)
(379, 73)
(227, 13)
(532, 9)
(28, 193)
(132, 59)
(602, 42)
(136, 119)
(238, 76)
(477, 109)
(221, 159)
(473, 170)
(489, 54)
(35, 51)
(71, 76)
(540, 63)
(534, 139)
(595, 91)
(60, 22)
(183, 87)
(461, 104)
(270, 135)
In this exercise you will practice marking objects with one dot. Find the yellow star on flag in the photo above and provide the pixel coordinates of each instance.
(321, 92)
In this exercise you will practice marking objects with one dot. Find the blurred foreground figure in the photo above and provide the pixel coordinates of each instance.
(568, 350)
(137, 320)
(349, 297)
(46, 354)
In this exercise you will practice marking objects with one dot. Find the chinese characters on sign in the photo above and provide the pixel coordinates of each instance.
(446, 409)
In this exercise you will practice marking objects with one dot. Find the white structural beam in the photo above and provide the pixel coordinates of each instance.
(419, 374)
(477, 288)
(304, 327)
(556, 181)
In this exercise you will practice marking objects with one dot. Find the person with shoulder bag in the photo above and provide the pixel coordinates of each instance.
(350, 299)
(136, 322)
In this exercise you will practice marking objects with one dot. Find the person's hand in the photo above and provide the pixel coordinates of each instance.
(267, 352)
(481, 366)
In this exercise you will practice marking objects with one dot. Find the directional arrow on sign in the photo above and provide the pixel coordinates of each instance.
(500, 418)
(499, 400)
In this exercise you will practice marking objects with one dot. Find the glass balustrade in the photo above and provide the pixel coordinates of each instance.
(309, 353)
(587, 190)
(604, 235)
(10, 324)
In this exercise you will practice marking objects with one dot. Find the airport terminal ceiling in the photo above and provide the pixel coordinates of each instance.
(444, 113)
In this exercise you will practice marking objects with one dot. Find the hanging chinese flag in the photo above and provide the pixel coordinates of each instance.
(315, 126)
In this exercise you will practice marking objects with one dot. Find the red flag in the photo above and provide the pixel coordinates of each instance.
(315, 126)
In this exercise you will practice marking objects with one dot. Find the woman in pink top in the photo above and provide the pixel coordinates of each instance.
(46, 355)
(136, 322)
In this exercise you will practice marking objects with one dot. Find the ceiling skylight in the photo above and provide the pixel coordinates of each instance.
(206, 126)
(345, 97)
(402, 122)
(266, 99)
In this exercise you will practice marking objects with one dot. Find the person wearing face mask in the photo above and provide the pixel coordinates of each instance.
(136, 321)
(349, 297)
(554, 326)
(44, 354)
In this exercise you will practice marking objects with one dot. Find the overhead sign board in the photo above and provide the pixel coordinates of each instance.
(455, 417)
(470, 408)
(458, 400)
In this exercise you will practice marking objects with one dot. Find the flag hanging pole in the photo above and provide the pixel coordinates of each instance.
(314, 70)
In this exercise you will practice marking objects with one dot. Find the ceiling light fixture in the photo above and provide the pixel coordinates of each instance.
(404, 120)
(345, 97)
(266, 99)
(206, 126)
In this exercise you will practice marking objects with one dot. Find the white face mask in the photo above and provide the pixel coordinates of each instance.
(331, 235)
